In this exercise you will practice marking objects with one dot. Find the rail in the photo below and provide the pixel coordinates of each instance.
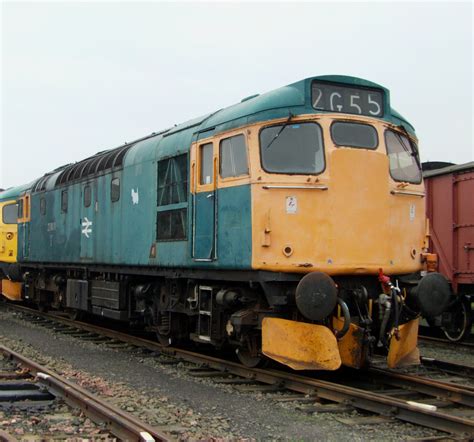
(121, 424)
(408, 411)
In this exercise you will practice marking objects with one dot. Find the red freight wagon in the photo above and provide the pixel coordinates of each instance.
(450, 209)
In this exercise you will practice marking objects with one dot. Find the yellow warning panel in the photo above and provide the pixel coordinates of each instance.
(404, 351)
(11, 290)
(299, 345)
(351, 346)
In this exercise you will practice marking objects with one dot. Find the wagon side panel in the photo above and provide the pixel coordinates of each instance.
(464, 227)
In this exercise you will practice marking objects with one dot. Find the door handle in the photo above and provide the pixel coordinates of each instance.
(211, 195)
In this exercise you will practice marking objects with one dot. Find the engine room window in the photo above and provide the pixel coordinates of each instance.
(87, 196)
(205, 158)
(10, 213)
(173, 180)
(233, 157)
(115, 189)
(292, 148)
(64, 201)
(354, 135)
(171, 225)
(43, 206)
(403, 157)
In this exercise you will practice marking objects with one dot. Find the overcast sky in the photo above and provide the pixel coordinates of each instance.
(78, 78)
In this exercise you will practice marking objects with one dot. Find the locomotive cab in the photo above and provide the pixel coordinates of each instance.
(332, 197)
(8, 247)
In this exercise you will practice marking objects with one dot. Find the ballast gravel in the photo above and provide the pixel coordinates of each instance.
(447, 352)
(169, 397)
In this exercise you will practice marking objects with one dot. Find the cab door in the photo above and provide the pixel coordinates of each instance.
(205, 204)
(24, 226)
(87, 222)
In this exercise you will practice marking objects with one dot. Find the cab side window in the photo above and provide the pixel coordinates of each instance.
(233, 157)
(205, 158)
(10, 213)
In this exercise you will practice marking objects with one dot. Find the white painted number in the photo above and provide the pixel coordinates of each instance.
(331, 98)
(377, 106)
(318, 98)
(359, 110)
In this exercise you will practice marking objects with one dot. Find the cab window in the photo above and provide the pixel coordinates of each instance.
(205, 157)
(354, 135)
(292, 148)
(20, 208)
(10, 213)
(403, 158)
(233, 157)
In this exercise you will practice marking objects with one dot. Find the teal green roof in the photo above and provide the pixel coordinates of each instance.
(294, 98)
(278, 103)
(14, 192)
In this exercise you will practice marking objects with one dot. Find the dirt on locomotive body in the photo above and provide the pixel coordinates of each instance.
(288, 226)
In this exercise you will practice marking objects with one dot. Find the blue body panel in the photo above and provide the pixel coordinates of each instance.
(125, 232)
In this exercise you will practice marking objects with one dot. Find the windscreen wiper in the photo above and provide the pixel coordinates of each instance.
(285, 124)
(414, 151)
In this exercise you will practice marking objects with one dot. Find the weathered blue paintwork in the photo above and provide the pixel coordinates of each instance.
(124, 232)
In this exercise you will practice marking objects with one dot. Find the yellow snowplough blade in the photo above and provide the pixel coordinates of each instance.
(404, 351)
(299, 345)
(351, 347)
(11, 290)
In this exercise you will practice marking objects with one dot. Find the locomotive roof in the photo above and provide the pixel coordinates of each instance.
(14, 192)
(278, 103)
(294, 98)
(449, 169)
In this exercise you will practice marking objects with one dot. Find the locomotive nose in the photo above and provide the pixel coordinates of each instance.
(432, 294)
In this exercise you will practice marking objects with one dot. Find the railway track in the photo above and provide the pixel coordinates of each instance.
(411, 398)
(442, 341)
(29, 381)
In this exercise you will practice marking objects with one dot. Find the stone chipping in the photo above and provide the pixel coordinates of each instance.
(169, 397)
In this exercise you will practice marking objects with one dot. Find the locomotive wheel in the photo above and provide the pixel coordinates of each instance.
(42, 308)
(249, 354)
(462, 321)
(75, 315)
(246, 358)
(164, 340)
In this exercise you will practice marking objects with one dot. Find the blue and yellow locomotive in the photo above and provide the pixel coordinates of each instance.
(290, 225)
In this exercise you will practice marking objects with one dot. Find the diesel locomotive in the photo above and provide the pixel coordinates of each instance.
(289, 226)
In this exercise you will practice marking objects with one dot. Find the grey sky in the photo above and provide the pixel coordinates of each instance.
(78, 78)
